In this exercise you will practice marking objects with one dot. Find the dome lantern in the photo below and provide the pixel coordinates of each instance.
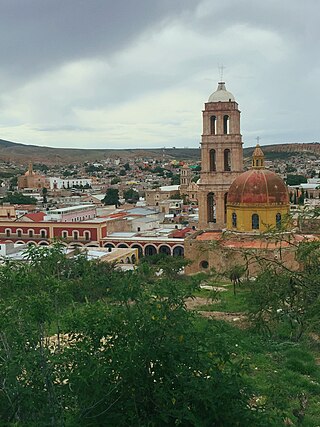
(258, 158)
(221, 94)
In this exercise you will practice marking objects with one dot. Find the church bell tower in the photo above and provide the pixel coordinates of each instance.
(221, 157)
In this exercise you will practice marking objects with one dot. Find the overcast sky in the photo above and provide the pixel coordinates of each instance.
(136, 73)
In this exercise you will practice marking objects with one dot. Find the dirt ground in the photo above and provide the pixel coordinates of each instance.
(238, 319)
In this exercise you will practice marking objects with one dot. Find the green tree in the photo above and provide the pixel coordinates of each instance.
(115, 180)
(44, 195)
(295, 179)
(131, 195)
(111, 197)
(284, 300)
(84, 344)
(175, 180)
(19, 199)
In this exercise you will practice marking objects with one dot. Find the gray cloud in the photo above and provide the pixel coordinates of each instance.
(136, 73)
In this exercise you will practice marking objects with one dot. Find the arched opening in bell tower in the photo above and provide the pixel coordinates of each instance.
(226, 121)
(212, 160)
(227, 160)
(211, 205)
(213, 125)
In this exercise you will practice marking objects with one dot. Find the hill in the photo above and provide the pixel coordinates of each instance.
(22, 153)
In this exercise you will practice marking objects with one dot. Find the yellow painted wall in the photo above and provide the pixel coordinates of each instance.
(267, 216)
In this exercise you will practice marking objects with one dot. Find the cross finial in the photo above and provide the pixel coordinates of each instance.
(221, 68)
(258, 139)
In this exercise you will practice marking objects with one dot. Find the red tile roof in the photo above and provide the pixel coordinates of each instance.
(36, 216)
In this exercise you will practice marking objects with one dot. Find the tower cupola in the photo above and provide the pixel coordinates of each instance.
(258, 158)
(221, 94)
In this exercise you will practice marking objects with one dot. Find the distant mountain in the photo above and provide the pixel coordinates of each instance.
(22, 153)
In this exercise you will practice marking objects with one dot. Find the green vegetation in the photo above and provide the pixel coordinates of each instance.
(82, 343)
(175, 180)
(131, 195)
(18, 199)
(295, 179)
(111, 197)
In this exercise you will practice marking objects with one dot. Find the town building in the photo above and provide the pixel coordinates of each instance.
(32, 180)
(236, 206)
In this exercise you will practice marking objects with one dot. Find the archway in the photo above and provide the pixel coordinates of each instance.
(178, 251)
(211, 206)
(150, 250)
(165, 249)
(122, 245)
(140, 250)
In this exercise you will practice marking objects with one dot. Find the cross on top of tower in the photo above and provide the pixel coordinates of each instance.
(221, 69)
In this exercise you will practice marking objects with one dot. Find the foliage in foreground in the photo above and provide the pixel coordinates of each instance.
(286, 301)
(84, 344)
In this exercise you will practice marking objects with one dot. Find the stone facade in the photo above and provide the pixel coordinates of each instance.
(221, 157)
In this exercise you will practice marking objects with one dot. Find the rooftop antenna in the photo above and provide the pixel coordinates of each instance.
(221, 69)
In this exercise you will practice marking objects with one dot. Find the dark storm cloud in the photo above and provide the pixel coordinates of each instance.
(36, 35)
(136, 72)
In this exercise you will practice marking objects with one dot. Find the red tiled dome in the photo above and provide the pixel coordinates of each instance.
(258, 186)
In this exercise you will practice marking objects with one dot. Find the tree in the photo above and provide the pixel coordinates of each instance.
(18, 199)
(111, 197)
(175, 180)
(235, 274)
(131, 195)
(44, 195)
(115, 180)
(127, 166)
(122, 172)
(285, 300)
(94, 346)
(301, 197)
(295, 179)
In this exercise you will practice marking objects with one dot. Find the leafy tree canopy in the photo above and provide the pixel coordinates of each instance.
(85, 344)
(131, 195)
(295, 179)
(18, 199)
(111, 197)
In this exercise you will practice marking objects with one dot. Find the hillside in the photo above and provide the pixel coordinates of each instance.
(22, 153)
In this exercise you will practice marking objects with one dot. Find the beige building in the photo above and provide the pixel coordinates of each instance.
(156, 196)
(32, 180)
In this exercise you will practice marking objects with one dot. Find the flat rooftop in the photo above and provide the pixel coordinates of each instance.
(70, 209)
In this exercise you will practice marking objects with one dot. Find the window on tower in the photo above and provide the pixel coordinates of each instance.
(226, 124)
(278, 220)
(213, 120)
(227, 160)
(212, 160)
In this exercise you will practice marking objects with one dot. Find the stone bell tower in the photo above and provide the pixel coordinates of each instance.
(221, 157)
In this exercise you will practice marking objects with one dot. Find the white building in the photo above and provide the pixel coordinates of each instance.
(61, 183)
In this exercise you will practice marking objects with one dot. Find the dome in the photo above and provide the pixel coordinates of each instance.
(221, 94)
(258, 187)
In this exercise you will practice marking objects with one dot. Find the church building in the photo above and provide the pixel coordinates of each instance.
(235, 206)
(221, 157)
